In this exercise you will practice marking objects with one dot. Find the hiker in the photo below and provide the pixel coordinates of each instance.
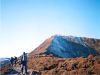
(24, 63)
(12, 61)
(15, 61)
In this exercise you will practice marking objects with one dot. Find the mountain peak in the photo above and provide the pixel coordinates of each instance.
(68, 46)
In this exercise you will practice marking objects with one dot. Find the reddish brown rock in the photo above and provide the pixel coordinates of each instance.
(73, 66)
(5, 68)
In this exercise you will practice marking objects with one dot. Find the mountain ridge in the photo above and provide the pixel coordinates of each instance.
(50, 46)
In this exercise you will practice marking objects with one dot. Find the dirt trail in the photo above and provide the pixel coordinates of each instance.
(17, 71)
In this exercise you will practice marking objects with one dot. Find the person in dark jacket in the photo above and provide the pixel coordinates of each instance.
(12, 61)
(24, 63)
(15, 61)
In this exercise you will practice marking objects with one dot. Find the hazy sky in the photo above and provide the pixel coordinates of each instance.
(24, 24)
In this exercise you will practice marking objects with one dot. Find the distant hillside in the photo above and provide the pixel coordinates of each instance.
(4, 61)
(4, 65)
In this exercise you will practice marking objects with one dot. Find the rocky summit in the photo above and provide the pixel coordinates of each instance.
(68, 47)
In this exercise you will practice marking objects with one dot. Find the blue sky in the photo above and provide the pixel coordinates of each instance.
(24, 24)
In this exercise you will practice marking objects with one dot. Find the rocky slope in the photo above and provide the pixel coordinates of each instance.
(68, 47)
(50, 65)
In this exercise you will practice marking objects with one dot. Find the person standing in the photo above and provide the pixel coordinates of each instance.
(24, 63)
(12, 61)
(15, 61)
